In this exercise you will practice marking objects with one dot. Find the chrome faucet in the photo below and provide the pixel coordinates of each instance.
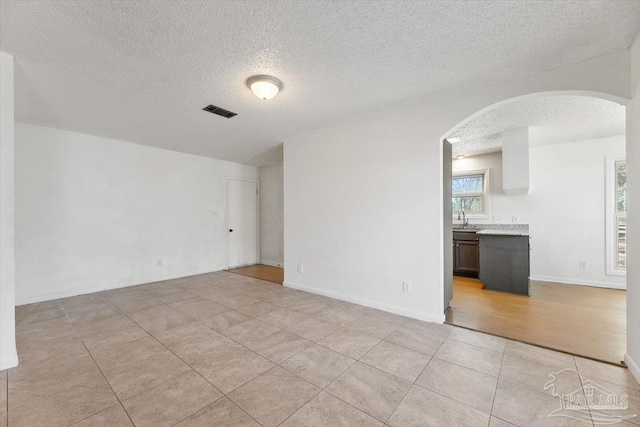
(465, 221)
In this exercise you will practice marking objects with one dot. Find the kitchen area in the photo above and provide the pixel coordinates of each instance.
(498, 255)
(537, 232)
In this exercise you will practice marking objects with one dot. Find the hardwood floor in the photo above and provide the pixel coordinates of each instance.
(580, 320)
(261, 271)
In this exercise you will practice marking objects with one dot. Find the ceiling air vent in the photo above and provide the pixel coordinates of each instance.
(219, 111)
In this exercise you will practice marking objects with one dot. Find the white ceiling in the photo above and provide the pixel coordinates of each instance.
(142, 71)
(550, 119)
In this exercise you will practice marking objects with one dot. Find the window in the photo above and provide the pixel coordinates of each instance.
(469, 193)
(621, 214)
(616, 215)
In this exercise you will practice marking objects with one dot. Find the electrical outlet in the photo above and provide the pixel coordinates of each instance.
(133, 265)
(582, 265)
(300, 268)
(159, 262)
(215, 214)
(515, 219)
(497, 219)
(406, 286)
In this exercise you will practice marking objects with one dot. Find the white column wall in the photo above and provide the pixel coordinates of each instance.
(632, 357)
(272, 215)
(8, 354)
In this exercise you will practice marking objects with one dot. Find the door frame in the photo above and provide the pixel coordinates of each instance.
(226, 218)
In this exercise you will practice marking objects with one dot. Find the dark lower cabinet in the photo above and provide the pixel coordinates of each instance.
(504, 264)
(466, 254)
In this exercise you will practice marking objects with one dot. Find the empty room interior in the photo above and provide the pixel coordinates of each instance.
(320, 213)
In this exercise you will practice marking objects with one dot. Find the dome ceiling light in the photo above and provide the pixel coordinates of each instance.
(264, 87)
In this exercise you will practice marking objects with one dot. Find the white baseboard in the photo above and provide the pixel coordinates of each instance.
(369, 303)
(9, 362)
(76, 292)
(272, 263)
(633, 367)
(579, 282)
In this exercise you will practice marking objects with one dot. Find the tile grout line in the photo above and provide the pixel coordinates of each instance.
(191, 367)
(340, 326)
(168, 349)
(536, 390)
(575, 364)
(109, 384)
(323, 390)
(105, 300)
(222, 334)
(495, 391)
(264, 373)
(317, 342)
(73, 328)
(280, 329)
(99, 412)
(545, 347)
(297, 376)
(413, 383)
(378, 369)
(224, 396)
(280, 364)
(303, 405)
(65, 312)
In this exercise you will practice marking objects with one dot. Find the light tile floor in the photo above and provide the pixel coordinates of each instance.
(222, 349)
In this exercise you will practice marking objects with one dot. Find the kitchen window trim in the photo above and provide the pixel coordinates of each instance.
(486, 205)
(612, 215)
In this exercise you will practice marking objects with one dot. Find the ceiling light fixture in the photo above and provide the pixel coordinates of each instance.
(453, 140)
(264, 87)
(461, 156)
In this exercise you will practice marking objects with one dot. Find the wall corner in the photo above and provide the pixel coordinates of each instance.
(8, 352)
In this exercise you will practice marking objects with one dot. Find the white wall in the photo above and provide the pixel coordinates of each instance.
(565, 208)
(633, 216)
(88, 208)
(357, 216)
(272, 215)
(8, 354)
(364, 200)
(515, 149)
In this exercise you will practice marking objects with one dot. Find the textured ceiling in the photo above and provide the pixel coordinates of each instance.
(550, 119)
(142, 71)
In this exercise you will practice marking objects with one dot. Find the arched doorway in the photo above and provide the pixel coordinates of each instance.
(497, 317)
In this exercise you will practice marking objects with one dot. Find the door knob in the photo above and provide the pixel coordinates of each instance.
(231, 230)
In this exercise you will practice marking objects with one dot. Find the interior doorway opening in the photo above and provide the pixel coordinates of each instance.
(244, 219)
(262, 272)
(242, 223)
(552, 191)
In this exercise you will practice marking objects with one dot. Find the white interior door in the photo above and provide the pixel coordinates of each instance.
(243, 222)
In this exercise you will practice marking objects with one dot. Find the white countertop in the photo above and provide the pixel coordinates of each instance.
(503, 232)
